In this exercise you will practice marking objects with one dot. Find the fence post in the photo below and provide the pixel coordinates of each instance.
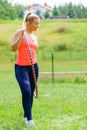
(52, 68)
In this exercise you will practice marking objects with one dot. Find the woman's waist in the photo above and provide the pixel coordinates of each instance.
(26, 61)
(25, 65)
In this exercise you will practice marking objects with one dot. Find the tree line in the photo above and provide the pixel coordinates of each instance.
(73, 11)
(9, 11)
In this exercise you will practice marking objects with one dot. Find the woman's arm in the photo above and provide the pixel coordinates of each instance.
(17, 39)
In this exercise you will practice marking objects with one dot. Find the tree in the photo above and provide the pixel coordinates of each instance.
(74, 11)
(71, 12)
(19, 10)
(80, 11)
(9, 11)
(55, 11)
(63, 9)
(21, 14)
(6, 10)
(46, 15)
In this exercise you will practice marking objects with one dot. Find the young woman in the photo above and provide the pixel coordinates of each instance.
(23, 65)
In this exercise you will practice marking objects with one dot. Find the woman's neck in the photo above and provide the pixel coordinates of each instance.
(29, 31)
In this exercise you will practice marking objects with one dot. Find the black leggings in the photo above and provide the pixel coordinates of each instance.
(25, 79)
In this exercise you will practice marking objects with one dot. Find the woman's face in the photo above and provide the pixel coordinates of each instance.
(32, 26)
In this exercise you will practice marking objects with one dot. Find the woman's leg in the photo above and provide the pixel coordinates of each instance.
(24, 83)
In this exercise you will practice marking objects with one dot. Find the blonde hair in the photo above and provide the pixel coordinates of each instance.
(29, 17)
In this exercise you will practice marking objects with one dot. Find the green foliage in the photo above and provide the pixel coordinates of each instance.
(64, 79)
(79, 79)
(71, 12)
(7, 11)
(46, 15)
(63, 9)
(78, 11)
(60, 47)
(55, 11)
(21, 14)
(3, 43)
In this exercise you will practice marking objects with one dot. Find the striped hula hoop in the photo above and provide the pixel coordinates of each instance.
(33, 69)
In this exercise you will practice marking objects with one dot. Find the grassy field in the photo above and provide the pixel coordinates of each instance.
(69, 47)
(60, 106)
(46, 66)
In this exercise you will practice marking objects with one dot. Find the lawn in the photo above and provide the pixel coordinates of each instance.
(60, 106)
(69, 47)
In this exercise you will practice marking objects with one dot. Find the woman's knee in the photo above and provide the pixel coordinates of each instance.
(26, 90)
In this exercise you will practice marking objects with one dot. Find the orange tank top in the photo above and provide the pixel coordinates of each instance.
(23, 57)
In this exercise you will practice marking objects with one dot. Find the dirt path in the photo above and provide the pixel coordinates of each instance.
(66, 74)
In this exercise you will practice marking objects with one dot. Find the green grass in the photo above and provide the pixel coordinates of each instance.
(46, 66)
(74, 39)
(60, 106)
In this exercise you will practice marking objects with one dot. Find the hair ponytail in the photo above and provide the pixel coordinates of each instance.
(25, 20)
(27, 16)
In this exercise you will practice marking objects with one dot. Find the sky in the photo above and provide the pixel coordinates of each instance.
(49, 2)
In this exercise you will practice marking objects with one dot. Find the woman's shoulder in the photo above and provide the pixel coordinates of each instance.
(34, 36)
(18, 32)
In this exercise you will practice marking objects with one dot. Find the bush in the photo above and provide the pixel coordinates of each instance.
(78, 79)
(60, 47)
(64, 79)
(61, 29)
(3, 43)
